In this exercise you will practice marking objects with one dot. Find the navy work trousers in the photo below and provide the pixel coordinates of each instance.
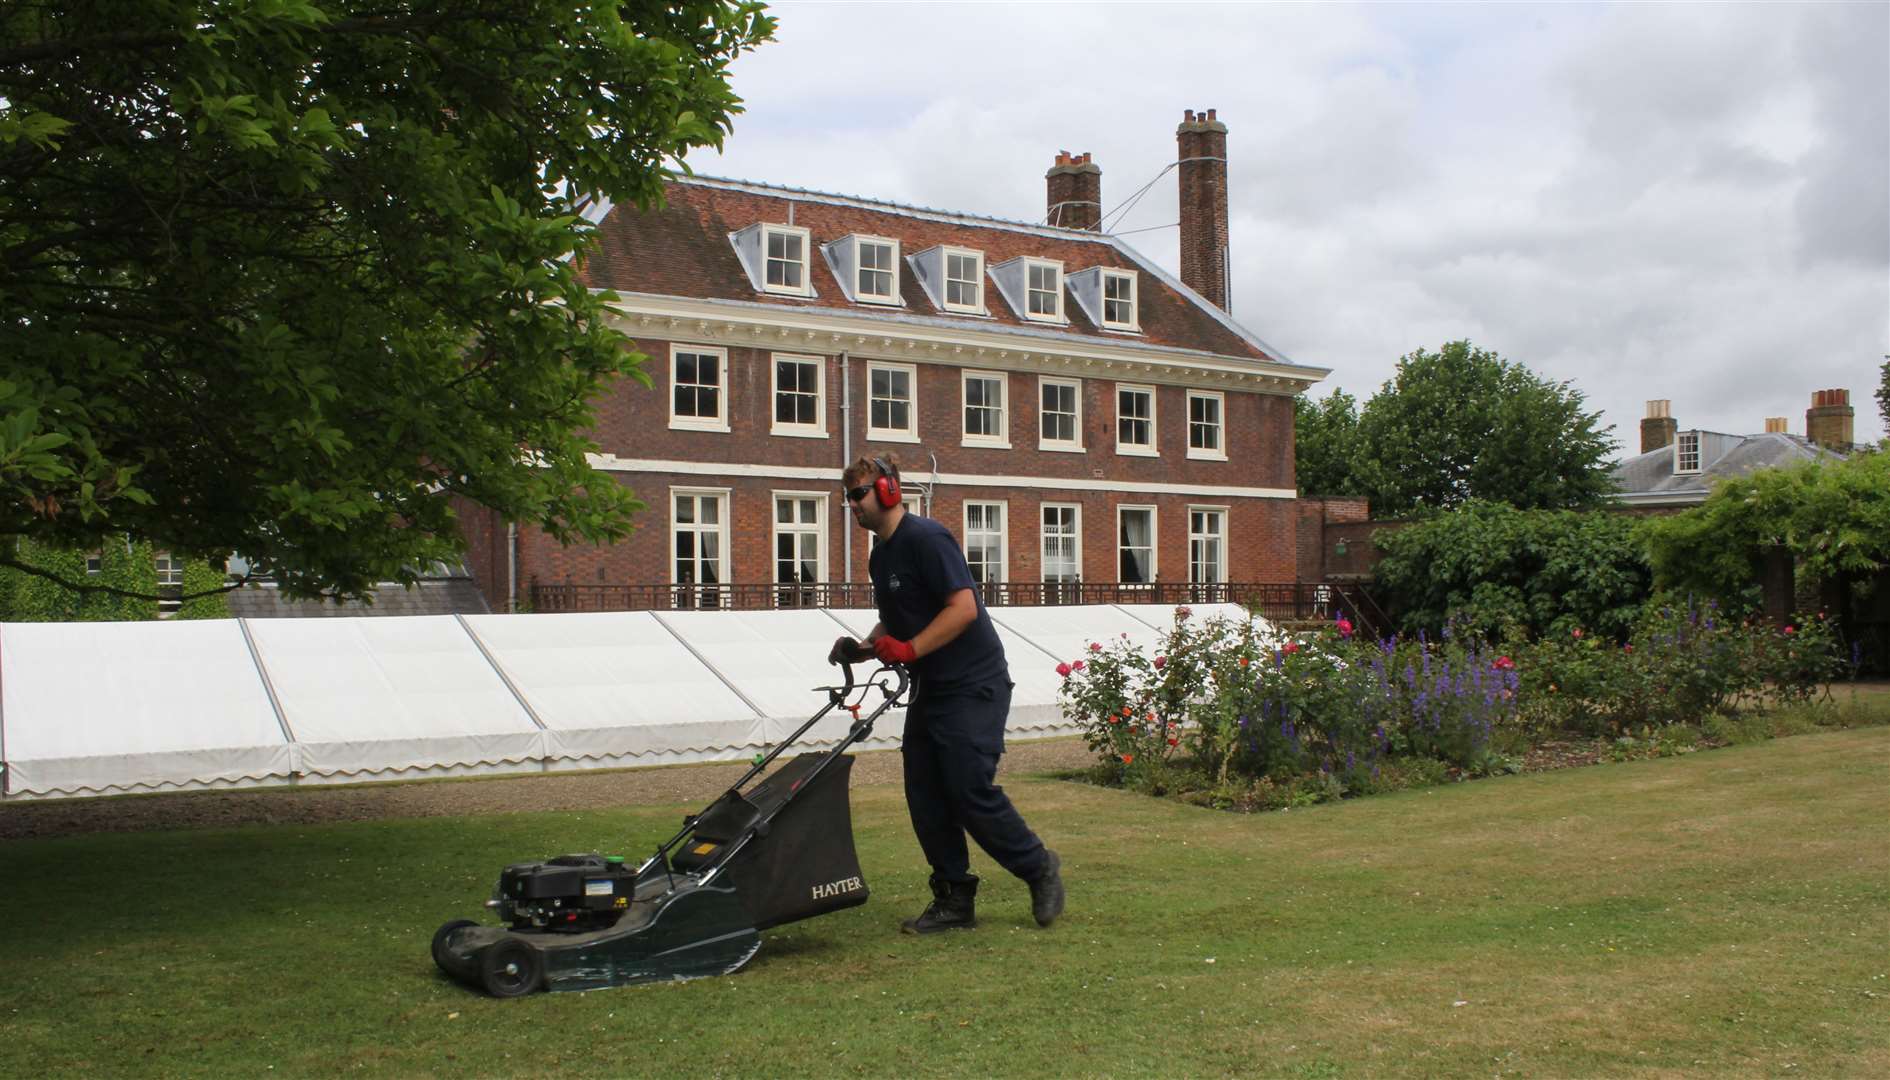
(952, 745)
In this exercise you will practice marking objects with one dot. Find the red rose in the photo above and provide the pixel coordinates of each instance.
(1063, 670)
(1161, 662)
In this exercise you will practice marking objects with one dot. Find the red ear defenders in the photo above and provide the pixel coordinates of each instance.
(887, 486)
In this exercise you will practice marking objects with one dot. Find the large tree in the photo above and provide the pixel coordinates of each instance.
(280, 277)
(1463, 423)
(1325, 444)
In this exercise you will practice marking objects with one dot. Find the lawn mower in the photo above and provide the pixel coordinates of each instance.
(776, 853)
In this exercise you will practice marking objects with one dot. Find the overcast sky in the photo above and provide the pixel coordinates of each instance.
(1673, 201)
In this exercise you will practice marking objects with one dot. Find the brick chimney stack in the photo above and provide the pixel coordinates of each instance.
(1829, 420)
(1073, 191)
(1659, 427)
(1202, 142)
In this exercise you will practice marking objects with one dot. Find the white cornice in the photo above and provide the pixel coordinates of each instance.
(831, 475)
(911, 338)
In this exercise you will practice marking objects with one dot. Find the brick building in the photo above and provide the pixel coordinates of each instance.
(1079, 417)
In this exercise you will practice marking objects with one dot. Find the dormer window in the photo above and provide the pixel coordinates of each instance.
(1108, 297)
(953, 278)
(775, 257)
(1032, 287)
(1118, 300)
(964, 280)
(787, 259)
(867, 268)
(1043, 290)
(879, 270)
(1686, 452)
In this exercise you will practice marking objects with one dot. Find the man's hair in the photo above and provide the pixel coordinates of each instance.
(864, 471)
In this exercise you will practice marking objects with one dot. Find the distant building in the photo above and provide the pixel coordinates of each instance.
(1084, 421)
(1678, 469)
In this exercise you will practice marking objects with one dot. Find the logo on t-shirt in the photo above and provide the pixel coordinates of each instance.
(892, 582)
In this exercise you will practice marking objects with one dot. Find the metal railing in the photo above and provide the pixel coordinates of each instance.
(1279, 601)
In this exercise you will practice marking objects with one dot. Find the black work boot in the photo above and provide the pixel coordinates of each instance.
(1046, 890)
(952, 908)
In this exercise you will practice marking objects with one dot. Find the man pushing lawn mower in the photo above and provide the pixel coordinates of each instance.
(932, 621)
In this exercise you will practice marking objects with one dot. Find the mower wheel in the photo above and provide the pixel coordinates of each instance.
(511, 968)
(439, 943)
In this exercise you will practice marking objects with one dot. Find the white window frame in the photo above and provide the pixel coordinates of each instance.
(725, 536)
(1219, 452)
(768, 233)
(1134, 325)
(1136, 449)
(945, 279)
(1072, 445)
(718, 422)
(1681, 454)
(1221, 569)
(1003, 535)
(1043, 537)
(1002, 440)
(860, 270)
(909, 433)
(815, 430)
(1055, 315)
(818, 530)
(1154, 544)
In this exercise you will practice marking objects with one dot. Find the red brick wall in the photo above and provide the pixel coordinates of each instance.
(633, 423)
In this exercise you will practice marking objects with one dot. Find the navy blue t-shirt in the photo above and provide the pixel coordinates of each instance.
(914, 571)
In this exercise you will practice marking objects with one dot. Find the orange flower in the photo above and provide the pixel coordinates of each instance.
(1128, 759)
(1243, 661)
(1150, 717)
(1126, 711)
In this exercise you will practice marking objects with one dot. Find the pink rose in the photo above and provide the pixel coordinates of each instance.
(1064, 670)
(1076, 666)
(1161, 662)
(1345, 627)
(1181, 613)
(1291, 647)
(1094, 647)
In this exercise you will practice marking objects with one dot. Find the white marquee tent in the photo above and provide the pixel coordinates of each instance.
(102, 708)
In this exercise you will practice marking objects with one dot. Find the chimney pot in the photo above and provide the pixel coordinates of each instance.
(1776, 425)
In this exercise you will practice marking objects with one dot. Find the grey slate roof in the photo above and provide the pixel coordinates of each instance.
(455, 595)
(1649, 480)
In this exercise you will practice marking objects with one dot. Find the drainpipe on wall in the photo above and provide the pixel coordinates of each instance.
(846, 454)
(511, 568)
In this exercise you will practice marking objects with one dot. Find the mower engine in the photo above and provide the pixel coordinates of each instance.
(571, 893)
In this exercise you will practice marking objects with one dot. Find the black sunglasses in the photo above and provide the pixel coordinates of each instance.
(858, 493)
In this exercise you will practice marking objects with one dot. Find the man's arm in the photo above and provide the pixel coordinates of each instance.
(959, 612)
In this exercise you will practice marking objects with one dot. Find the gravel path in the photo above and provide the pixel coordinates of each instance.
(691, 785)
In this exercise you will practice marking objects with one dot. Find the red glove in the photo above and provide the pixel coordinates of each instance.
(891, 650)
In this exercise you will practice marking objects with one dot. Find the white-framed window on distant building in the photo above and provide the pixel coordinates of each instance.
(964, 280)
(985, 541)
(987, 419)
(892, 406)
(799, 396)
(698, 388)
(1207, 545)
(1686, 452)
(1206, 427)
(800, 547)
(785, 247)
(1059, 414)
(699, 546)
(1135, 545)
(1118, 308)
(1135, 420)
(1061, 534)
(878, 280)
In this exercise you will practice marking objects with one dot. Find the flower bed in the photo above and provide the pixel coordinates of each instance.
(1230, 713)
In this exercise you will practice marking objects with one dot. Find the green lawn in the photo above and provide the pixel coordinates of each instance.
(1718, 913)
